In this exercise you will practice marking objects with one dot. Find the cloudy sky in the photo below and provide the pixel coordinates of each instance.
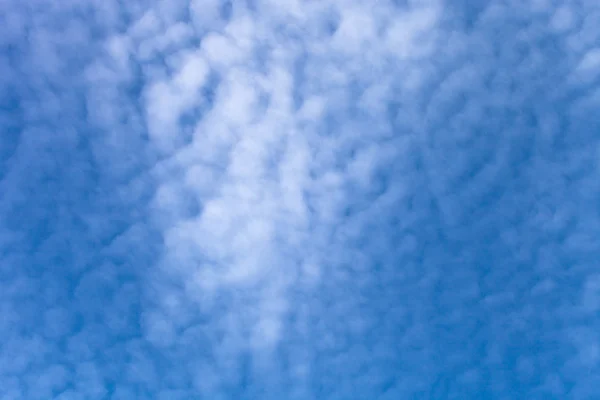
(299, 199)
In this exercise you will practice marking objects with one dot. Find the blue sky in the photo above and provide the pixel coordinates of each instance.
(299, 200)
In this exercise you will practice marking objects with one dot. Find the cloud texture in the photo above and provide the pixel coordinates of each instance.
(267, 199)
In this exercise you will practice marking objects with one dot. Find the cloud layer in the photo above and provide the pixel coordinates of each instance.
(299, 200)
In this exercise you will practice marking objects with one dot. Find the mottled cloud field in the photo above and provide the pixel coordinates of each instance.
(299, 199)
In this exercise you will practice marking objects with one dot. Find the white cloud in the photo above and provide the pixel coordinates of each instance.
(589, 64)
(563, 19)
(298, 199)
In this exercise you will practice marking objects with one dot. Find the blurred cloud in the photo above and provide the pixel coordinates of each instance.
(299, 200)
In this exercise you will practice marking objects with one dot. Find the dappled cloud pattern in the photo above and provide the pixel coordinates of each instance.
(303, 200)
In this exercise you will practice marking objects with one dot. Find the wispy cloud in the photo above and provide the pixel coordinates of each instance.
(299, 200)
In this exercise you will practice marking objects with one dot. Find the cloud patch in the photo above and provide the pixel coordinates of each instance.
(260, 200)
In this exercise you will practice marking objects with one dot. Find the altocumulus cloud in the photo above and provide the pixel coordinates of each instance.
(299, 199)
